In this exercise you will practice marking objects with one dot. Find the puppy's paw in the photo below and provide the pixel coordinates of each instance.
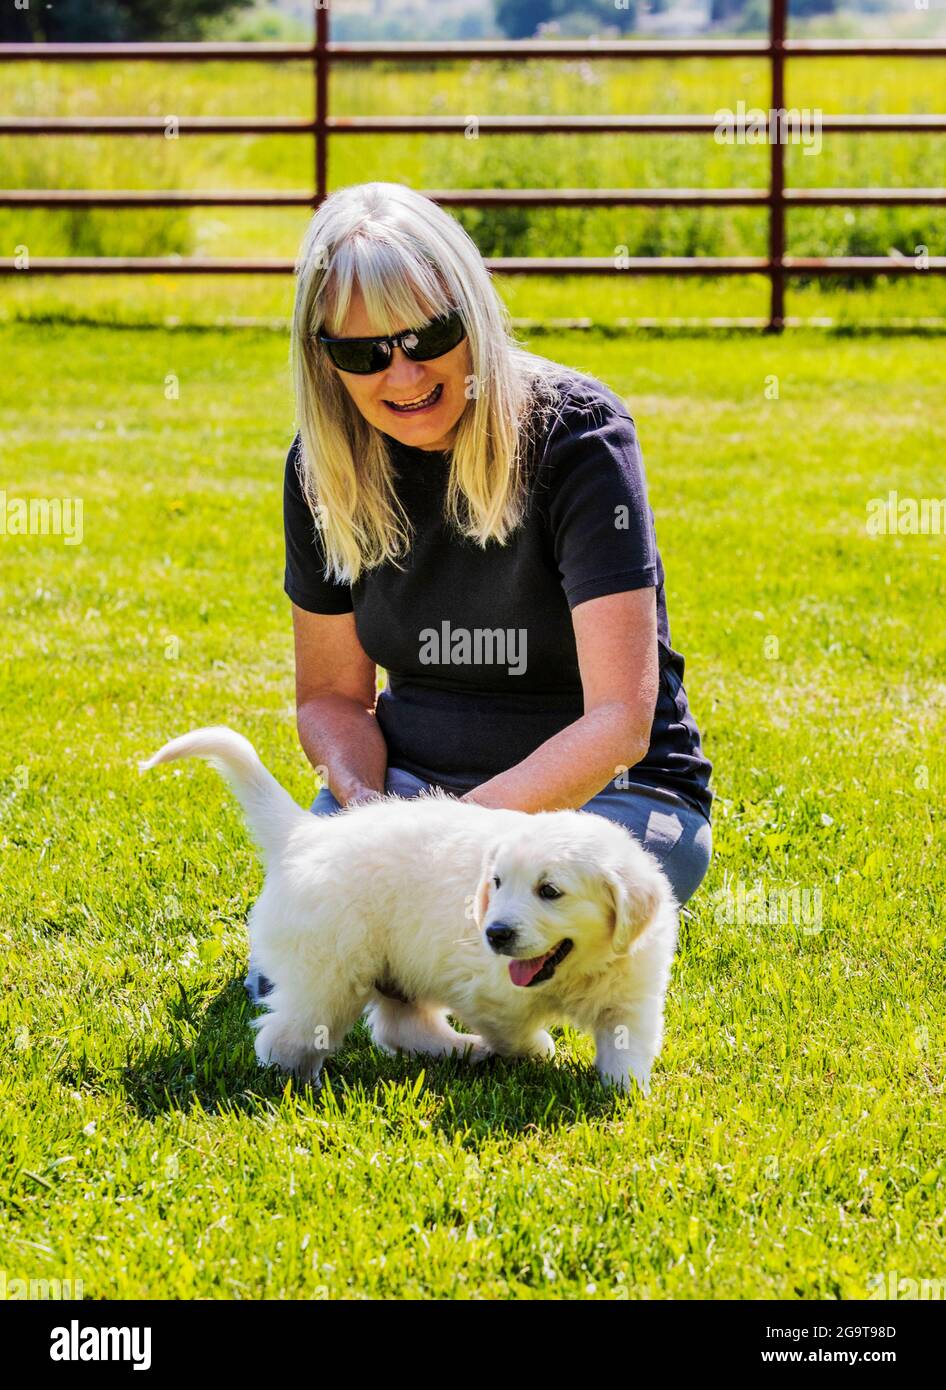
(542, 1046)
(476, 1050)
(538, 1045)
(277, 1047)
(621, 1079)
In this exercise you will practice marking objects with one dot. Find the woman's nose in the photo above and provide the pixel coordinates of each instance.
(402, 371)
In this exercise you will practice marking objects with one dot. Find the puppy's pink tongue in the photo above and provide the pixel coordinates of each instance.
(522, 971)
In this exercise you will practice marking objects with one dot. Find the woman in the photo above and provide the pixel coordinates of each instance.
(473, 519)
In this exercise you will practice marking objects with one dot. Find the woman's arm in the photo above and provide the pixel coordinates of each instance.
(336, 690)
(616, 637)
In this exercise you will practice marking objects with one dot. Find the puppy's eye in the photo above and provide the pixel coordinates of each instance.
(549, 892)
(495, 880)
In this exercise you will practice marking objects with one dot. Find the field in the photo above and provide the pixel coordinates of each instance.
(793, 1143)
(450, 161)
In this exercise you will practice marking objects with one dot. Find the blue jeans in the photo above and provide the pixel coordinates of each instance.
(676, 834)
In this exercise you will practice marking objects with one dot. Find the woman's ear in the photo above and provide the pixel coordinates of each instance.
(637, 891)
(483, 890)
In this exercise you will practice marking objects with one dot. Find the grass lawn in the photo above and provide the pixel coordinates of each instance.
(466, 89)
(793, 1144)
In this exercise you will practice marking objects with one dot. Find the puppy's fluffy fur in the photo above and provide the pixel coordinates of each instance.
(447, 904)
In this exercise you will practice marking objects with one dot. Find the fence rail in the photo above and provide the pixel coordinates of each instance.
(778, 265)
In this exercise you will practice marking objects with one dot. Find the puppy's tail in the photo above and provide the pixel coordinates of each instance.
(270, 810)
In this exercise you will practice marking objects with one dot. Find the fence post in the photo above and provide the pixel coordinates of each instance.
(320, 54)
(777, 166)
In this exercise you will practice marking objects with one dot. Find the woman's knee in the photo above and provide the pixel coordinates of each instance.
(677, 835)
(687, 864)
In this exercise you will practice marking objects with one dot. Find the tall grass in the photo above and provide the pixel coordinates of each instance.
(503, 161)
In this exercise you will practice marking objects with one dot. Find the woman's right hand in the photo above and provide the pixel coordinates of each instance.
(336, 691)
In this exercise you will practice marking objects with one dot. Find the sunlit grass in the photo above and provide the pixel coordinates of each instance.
(793, 1144)
(451, 161)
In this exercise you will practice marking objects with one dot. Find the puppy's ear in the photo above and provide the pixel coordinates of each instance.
(638, 889)
(483, 888)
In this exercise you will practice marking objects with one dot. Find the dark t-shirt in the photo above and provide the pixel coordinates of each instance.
(478, 644)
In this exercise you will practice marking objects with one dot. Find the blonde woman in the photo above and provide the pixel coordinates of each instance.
(472, 519)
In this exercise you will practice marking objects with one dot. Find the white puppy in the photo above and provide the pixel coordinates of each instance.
(422, 908)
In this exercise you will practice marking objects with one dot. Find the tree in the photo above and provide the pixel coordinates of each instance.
(111, 21)
(623, 16)
(519, 19)
(723, 10)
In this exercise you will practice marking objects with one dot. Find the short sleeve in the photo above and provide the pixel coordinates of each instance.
(602, 527)
(305, 580)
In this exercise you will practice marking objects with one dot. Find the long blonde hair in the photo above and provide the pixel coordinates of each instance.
(412, 262)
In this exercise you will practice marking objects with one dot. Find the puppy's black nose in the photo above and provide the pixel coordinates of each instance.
(499, 935)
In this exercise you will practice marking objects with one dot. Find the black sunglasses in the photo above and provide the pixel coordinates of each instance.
(365, 356)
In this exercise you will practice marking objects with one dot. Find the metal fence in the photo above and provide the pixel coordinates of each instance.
(323, 54)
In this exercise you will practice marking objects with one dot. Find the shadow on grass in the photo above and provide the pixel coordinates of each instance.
(213, 1066)
(208, 1061)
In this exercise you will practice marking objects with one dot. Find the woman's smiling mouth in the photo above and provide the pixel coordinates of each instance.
(418, 403)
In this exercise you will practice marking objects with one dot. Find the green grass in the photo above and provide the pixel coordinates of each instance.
(793, 1145)
(449, 161)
